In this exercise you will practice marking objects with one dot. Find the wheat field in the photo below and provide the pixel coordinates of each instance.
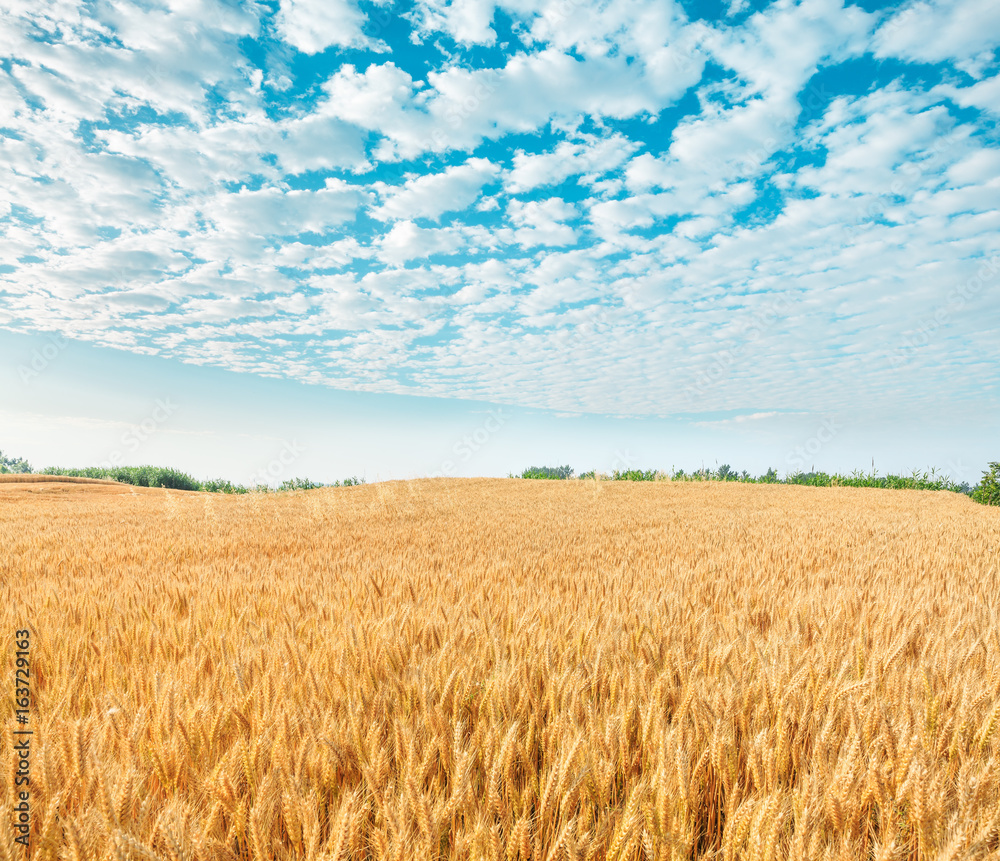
(505, 669)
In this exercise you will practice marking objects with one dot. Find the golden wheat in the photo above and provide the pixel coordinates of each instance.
(505, 669)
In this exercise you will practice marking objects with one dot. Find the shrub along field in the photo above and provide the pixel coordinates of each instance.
(490, 668)
(160, 476)
(174, 479)
(986, 492)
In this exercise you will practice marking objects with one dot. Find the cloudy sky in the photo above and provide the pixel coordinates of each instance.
(706, 230)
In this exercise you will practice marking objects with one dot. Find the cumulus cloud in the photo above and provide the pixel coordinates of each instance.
(542, 222)
(407, 241)
(589, 156)
(378, 98)
(287, 212)
(467, 22)
(779, 48)
(433, 195)
(929, 31)
(984, 95)
(462, 106)
(312, 26)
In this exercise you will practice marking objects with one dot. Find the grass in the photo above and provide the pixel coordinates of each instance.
(467, 669)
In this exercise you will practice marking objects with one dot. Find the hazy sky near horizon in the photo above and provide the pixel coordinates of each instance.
(696, 222)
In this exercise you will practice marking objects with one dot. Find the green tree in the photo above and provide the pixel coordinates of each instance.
(557, 472)
(13, 464)
(988, 492)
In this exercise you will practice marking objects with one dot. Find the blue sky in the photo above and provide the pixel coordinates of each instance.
(659, 232)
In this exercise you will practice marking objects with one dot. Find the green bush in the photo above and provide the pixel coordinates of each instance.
(555, 472)
(157, 476)
(222, 485)
(811, 479)
(153, 476)
(988, 491)
(139, 476)
(634, 475)
(299, 484)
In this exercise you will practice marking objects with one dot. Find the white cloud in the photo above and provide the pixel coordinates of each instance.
(569, 158)
(984, 95)
(334, 255)
(542, 222)
(980, 167)
(461, 107)
(930, 32)
(724, 143)
(533, 89)
(373, 99)
(315, 25)
(882, 144)
(162, 57)
(779, 48)
(653, 31)
(318, 143)
(406, 241)
(467, 22)
(198, 157)
(738, 420)
(271, 210)
(432, 195)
